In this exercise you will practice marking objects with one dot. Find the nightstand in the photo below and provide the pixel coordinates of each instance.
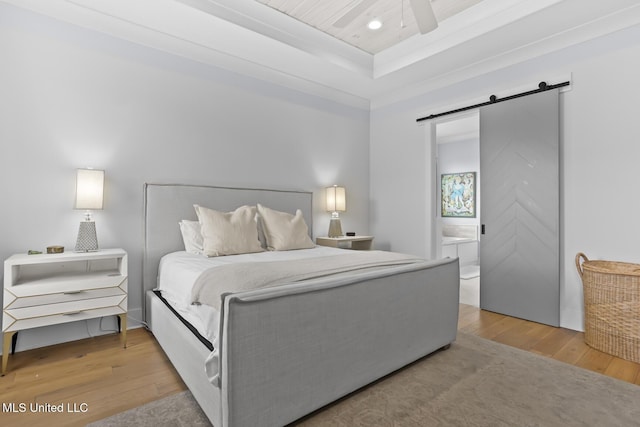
(48, 289)
(362, 243)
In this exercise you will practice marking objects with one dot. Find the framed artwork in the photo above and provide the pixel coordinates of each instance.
(458, 195)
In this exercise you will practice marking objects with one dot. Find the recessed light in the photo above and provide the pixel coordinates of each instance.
(374, 24)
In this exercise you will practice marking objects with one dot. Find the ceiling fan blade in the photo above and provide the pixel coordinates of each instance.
(352, 14)
(425, 17)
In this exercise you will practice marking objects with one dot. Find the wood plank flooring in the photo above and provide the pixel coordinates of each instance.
(557, 343)
(109, 379)
(96, 372)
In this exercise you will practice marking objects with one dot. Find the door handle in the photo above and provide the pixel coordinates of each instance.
(482, 229)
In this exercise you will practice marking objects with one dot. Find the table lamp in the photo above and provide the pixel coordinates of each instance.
(336, 202)
(89, 196)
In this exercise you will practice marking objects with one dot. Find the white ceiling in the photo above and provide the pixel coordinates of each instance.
(396, 16)
(253, 39)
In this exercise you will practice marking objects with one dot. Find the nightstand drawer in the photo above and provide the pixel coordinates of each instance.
(61, 297)
(57, 284)
(65, 307)
(10, 324)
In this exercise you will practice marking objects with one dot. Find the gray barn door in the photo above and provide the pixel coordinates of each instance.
(519, 249)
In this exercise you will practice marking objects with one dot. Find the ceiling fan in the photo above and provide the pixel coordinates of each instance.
(422, 11)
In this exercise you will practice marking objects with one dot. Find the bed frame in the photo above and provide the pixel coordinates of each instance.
(285, 354)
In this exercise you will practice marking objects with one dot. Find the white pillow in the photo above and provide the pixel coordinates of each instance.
(261, 237)
(191, 236)
(284, 231)
(228, 233)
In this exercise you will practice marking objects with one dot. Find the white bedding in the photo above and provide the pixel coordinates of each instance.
(214, 283)
(178, 272)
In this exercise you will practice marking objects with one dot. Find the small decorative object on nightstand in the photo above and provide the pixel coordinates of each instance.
(55, 249)
(41, 290)
(362, 243)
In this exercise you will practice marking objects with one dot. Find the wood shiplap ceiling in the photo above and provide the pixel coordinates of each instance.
(396, 16)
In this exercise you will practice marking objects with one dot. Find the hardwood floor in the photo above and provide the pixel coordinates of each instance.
(108, 379)
(557, 343)
(97, 372)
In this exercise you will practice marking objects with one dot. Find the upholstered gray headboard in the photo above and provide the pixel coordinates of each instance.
(166, 204)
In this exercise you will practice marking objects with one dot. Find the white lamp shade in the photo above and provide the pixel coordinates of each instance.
(336, 199)
(89, 189)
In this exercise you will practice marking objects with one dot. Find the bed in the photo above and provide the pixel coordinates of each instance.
(273, 355)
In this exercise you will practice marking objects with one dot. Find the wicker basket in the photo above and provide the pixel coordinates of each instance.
(612, 306)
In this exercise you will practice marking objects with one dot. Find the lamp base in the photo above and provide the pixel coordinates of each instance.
(335, 228)
(87, 237)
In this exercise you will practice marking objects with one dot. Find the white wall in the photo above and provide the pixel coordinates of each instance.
(599, 156)
(71, 97)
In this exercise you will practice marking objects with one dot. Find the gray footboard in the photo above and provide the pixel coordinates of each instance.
(284, 356)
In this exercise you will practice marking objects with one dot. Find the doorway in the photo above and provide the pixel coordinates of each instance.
(457, 228)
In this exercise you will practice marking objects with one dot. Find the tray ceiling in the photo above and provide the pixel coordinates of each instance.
(253, 38)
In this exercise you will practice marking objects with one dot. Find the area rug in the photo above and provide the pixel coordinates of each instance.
(475, 382)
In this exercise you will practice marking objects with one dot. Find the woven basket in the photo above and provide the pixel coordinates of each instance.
(611, 306)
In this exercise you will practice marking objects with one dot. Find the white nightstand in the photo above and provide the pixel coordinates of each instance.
(47, 289)
(362, 243)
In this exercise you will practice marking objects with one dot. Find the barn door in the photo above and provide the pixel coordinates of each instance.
(520, 235)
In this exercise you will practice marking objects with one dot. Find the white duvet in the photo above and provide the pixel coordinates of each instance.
(178, 271)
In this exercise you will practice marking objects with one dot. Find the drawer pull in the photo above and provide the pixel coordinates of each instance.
(72, 292)
(72, 313)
